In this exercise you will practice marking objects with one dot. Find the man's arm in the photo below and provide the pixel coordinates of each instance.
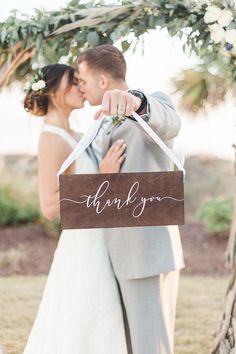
(158, 110)
(161, 115)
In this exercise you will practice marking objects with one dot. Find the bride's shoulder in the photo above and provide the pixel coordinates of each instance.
(49, 138)
(51, 143)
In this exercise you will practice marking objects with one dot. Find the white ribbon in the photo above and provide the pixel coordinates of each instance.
(159, 142)
(91, 133)
(85, 141)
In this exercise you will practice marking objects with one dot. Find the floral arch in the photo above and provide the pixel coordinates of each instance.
(208, 29)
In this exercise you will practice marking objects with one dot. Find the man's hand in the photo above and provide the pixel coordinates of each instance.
(119, 102)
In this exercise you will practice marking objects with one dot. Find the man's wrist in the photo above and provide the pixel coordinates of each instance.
(138, 104)
(142, 108)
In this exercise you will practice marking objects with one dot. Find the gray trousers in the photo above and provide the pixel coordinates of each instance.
(149, 307)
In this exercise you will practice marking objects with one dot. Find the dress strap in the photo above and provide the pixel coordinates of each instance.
(62, 132)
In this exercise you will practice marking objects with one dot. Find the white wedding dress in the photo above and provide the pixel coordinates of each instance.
(80, 311)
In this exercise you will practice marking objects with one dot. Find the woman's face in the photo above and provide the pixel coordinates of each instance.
(69, 98)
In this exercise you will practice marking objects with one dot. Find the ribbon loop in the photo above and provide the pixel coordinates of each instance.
(91, 133)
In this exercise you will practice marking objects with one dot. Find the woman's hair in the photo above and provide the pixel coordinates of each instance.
(37, 101)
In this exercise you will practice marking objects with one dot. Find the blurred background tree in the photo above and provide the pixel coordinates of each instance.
(206, 28)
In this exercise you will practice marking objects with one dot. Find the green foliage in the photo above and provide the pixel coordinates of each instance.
(30, 42)
(13, 211)
(52, 228)
(216, 215)
(55, 34)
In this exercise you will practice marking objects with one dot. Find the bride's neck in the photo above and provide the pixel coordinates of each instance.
(58, 118)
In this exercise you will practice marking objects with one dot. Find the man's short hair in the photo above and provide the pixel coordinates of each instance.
(105, 58)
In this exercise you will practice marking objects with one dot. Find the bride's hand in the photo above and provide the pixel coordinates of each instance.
(113, 159)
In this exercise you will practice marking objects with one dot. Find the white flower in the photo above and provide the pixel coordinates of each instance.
(212, 14)
(225, 18)
(197, 7)
(27, 86)
(35, 86)
(230, 36)
(35, 66)
(197, 4)
(217, 33)
(41, 84)
(63, 59)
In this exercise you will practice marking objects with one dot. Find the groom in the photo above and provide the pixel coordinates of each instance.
(146, 260)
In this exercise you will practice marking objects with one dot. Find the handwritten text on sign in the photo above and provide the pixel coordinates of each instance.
(124, 199)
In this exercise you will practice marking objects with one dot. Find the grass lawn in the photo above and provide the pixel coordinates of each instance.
(198, 314)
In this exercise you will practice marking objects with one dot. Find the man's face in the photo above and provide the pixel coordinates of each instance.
(90, 85)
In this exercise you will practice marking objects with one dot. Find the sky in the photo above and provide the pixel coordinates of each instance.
(163, 59)
(27, 6)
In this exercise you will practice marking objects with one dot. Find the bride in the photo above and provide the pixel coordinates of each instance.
(80, 311)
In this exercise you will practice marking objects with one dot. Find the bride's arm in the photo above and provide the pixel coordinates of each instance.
(52, 152)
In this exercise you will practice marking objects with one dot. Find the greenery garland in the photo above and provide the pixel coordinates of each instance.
(28, 42)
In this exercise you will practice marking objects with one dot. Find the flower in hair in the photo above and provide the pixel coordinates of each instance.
(36, 84)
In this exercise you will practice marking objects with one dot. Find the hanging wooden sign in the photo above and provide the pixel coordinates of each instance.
(121, 200)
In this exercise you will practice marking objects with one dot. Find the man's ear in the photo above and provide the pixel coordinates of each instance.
(103, 81)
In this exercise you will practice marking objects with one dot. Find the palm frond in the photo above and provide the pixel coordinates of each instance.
(8, 69)
(200, 90)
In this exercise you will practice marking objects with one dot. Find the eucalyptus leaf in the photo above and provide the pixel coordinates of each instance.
(14, 35)
(93, 38)
(4, 34)
(151, 21)
(49, 53)
(39, 40)
(160, 21)
(125, 45)
(232, 25)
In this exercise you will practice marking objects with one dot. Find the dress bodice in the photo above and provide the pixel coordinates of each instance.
(83, 164)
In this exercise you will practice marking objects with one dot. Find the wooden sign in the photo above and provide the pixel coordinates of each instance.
(121, 200)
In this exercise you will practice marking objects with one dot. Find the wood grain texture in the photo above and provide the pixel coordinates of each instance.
(121, 200)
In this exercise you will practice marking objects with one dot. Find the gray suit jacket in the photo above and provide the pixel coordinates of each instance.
(140, 252)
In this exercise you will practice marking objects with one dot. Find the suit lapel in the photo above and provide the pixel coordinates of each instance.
(105, 143)
(92, 156)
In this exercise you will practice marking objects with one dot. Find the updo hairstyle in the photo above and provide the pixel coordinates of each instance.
(37, 99)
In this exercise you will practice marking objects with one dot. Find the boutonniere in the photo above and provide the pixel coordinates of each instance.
(117, 121)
